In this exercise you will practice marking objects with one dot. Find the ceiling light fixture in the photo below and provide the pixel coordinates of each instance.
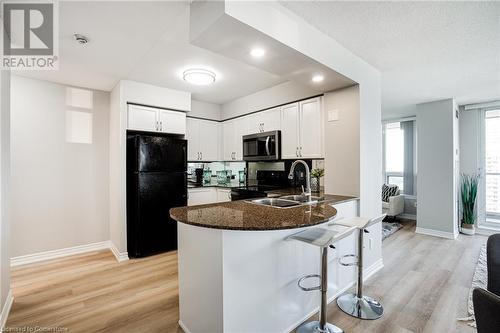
(318, 78)
(198, 76)
(257, 52)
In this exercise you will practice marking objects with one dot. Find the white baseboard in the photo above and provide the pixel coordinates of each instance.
(6, 310)
(436, 233)
(54, 254)
(486, 231)
(120, 256)
(369, 272)
(408, 216)
(184, 328)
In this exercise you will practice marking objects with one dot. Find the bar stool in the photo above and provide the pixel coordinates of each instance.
(359, 305)
(323, 238)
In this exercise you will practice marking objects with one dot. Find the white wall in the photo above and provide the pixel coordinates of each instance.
(280, 94)
(436, 168)
(342, 142)
(205, 110)
(59, 187)
(5, 212)
(141, 93)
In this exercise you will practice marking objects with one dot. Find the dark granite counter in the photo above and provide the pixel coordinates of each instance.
(243, 215)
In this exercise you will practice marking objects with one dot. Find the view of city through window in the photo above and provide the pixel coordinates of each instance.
(492, 162)
(394, 154)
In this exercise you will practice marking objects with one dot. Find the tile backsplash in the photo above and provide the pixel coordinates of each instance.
(235, 167)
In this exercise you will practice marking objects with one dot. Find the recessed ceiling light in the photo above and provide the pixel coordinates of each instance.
(318, 78)
(198, 76)
(257, 52)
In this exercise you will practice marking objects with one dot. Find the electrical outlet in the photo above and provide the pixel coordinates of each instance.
(415, 204)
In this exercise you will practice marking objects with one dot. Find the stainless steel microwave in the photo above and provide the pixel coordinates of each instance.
(264, 146)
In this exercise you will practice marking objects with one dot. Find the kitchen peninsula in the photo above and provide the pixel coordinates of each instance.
(237, 273)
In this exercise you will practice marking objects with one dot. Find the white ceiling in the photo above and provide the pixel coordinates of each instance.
(425, 50)
(149, 42)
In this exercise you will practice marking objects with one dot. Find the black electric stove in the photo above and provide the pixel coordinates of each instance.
(267, 181)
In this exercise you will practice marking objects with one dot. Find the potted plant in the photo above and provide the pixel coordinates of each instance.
(316, 174)
(468, 189)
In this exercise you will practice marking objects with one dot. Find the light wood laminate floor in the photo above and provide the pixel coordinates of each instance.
(423, 288)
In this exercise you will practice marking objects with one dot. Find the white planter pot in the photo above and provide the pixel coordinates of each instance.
(468, 229)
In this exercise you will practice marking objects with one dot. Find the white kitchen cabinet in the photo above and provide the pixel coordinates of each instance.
(228, 136)
(203, 140)
(223, 195)
(302, 130)
(208, 195)
(311, 129)
(209, 140)
(290, 131)
(192, 137)
(264, 121)
(202, 196)
(142, 118)
(173, 122)
(233, 131)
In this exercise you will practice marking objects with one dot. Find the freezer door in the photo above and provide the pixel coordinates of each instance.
(151, 230)
(161, 154)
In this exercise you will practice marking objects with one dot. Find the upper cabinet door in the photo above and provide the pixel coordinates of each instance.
(271, 120)
(208, 134)
(193, 138)
(172, 122)
(254, 122)
(228, 135)
(290, 131)
(142, 119)
(240, 129)
(311, 129)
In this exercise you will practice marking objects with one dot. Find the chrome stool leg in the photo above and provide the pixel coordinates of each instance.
(358, 305)
(321, 326)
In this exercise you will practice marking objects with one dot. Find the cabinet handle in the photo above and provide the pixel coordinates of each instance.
(300, 151)
(297, 151)
(156, 125)
(161, 125)
(201, 155)
(198, 155)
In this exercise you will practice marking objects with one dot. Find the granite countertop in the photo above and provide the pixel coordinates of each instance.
(243, 215)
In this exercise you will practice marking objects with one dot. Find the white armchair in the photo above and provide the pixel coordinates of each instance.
(396, 203)
(395, 206)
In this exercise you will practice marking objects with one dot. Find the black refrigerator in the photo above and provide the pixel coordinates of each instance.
(156, 182)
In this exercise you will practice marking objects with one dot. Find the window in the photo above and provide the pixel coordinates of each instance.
(399, 155)
(394, 154)
(492, 162)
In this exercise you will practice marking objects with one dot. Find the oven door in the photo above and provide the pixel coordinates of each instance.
(261, 146)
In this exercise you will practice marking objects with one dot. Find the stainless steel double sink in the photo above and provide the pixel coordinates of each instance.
(287, 201)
